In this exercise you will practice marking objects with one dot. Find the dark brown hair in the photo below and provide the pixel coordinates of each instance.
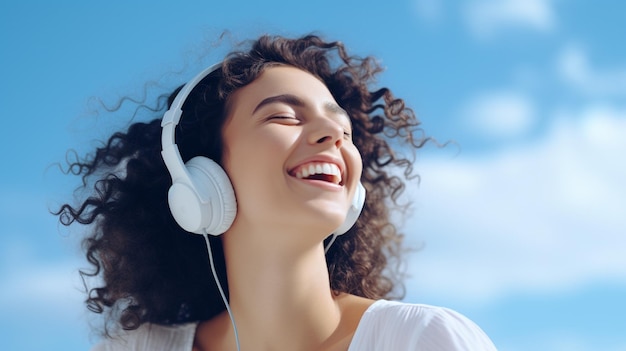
(150, 270)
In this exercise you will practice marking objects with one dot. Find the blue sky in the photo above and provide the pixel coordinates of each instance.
(523, 225)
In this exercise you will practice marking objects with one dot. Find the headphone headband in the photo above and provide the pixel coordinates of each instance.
(171, 118)
(201, 197)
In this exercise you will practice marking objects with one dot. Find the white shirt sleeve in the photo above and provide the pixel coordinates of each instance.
(152, 337)
(389, 325)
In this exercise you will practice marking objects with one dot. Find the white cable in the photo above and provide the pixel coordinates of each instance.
(219, 286)
(332, 240)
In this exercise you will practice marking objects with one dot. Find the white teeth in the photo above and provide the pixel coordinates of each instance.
(326, 169)
(319, 168)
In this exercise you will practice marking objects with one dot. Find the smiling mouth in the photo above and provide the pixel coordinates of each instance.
(323, 171)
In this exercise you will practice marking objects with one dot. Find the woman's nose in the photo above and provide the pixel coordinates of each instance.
(325, 130)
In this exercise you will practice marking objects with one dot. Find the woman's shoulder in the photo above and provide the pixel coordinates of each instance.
(152, 337)
(396, 325)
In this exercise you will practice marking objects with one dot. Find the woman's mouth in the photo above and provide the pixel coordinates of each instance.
(324, 171)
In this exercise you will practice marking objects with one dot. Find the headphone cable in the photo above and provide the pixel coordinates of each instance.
(219, 287)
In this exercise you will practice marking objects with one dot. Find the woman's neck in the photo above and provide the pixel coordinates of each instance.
(280, 295)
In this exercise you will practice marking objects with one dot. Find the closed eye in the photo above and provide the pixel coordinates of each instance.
(347, 132)
(284, 119)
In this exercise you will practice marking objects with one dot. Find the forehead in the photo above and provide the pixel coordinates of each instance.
(280, 80)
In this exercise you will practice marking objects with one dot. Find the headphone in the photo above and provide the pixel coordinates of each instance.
(201, 198)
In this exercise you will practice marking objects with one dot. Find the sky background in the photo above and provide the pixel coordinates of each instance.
(522, 222)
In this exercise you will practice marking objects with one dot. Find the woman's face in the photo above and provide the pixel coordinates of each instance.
(289, 153)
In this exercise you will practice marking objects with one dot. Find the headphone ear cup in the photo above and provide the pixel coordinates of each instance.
(208, 204)
(354, 211)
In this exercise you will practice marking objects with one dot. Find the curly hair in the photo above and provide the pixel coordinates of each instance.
(151, 270)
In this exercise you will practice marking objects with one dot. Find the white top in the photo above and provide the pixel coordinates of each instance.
(386, 325)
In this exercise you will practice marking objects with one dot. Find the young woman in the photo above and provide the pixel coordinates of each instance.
(286, 147)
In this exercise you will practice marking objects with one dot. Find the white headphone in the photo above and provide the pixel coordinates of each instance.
(201, 198)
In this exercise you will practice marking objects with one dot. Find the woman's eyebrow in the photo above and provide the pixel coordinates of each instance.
(288, 99)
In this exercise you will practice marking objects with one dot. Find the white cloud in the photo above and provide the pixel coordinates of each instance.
(486, 18)
(545, 216)
(31, 283)
(42, 294)
(499, 114)
(55, 283)
(429, 10)
(574, 68)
